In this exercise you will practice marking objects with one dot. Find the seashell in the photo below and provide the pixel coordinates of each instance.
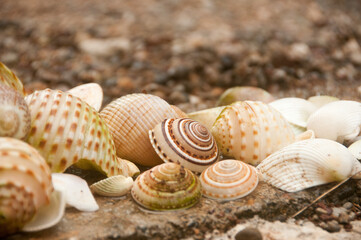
(179, 112)
(25, 184)
(76, 191)
(8, 78)
(130, 118)
(322, 100)
(168, 186)
(91, 93)
(186, 142)
(235, 94)
(355, 149)
(207, 116)
(115, 186)
(308, 163)
(67, 130)
(339, 121)
(14, 112)
(250, 131)
(228, 180)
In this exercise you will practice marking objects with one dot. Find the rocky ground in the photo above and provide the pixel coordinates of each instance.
(188, 52)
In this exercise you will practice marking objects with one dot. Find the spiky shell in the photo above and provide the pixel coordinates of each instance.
(186, 142)
(168, 186)
(250, 131)
(130, 118)
(244, 93)
(25, 184)
(207, 116)
(91, 93)
(8, 78)
(67, 130)
(14, 114)
(228, 180)
(308, 163)
(115, 186)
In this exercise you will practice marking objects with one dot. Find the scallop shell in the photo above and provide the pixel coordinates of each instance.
(250, 131)
(115, 186)
(25, 184)
(228, 180)
(130, 118)
(8, 78)
(235, 94)
(168, 186)
(207, 116)
(91, 93)
(339, 121)
(14, 112)
(186, 142)
(308, 163)
(67, 130)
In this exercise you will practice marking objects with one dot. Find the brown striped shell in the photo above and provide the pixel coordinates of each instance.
(250, 131)
(168, 186)
(67, 130)
(14, 114)
(8, 78)
(186, 142)
(25, 184)
(228, 180)
(130, 118)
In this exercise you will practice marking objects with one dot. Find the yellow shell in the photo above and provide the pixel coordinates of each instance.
(8, 78)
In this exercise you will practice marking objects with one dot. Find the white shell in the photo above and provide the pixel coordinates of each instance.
(339, 121)
(322, 100)
(207, 117)
(91, 93)
(355, 149)
(308, 163)
(114, 186)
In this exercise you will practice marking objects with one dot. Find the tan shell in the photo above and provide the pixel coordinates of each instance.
(130, 118)
(8, 78)
(91, 93)
(244, 93)
(115, 186)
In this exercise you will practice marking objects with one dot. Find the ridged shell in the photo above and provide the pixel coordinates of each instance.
(67, 130)
(228, 180)
(250, 131)
(91, 93)
(339, 121)
(25, 184)
(308, 163)
(168, 186)
(186, 142)
(235, 94)
(115, 186)
(14, 114)
(130, 118)
(207, 116)
(8, 78)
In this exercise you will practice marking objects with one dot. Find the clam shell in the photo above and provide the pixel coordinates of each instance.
(91, 93)
(308, 163)
(8, 78)
(67, 130)
(130, 118)
(228, 180)
(322, 100)
(168, 186)
(250, 131)
(339, 121)
(14, 114)
(235, 94)
(115, 186)
(207, 117)
(186, 142)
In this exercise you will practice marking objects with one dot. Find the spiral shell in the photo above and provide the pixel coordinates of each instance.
(8, 78)
(25, 184)
(115, 186)
(244, 93)
(185, 142)
(250, 131)
(168, 186)
(129, 119)
(66, 130)
(14, 114)
(228, 180)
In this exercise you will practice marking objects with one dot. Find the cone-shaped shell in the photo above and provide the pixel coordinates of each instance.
(130, 118)
(8, 78)
(91, 93)
(168, 186)
(308, 163)
(67, 130)
(228, 180)
(250, 131)
(25, 184)
(207, 116)
(115, 186)
(14, 114)
(235, 94)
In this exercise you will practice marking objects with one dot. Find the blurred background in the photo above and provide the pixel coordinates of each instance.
(187, 52)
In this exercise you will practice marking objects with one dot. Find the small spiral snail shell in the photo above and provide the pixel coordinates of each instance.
(8, 78)
(168, 186)
(14, 114)
(186, 142)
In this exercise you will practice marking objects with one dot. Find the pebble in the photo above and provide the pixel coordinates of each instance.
(299, 51)
(333, 226)
(352, 216)
(348, 205)
(249, 233)
(321, 211)
(337, 211)
(343, 218)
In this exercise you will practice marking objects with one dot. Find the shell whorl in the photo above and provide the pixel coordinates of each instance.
(186, 142)
(8, 78)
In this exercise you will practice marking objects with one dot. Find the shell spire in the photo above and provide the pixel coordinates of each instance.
(9, 78)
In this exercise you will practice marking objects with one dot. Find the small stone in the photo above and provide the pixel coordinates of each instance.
(278, 75)
(348, 205)
(315, 217)
(125, 83)
(352, 216)
(323, 225)
(299, 51)
(336, 211)
(249, 233)
(325, 217)
(321, 211)
(333, 226)
(343, 218)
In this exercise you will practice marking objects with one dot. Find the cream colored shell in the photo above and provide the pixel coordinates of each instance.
(244, 93)
(8, 78)
(207, 116)
(91, 93)
(115, 186)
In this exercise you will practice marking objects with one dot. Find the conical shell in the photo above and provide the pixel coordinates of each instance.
(207, 116)
(130, 118)
(91, 93)
(228, 180)
(168, 186)
(115, 186)
(250, 131)
(339, 121)
(66, 130)
(14, 114)
(25, 184)
(8, 78)
(186, 142)
(308, 163)
(235, 94)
